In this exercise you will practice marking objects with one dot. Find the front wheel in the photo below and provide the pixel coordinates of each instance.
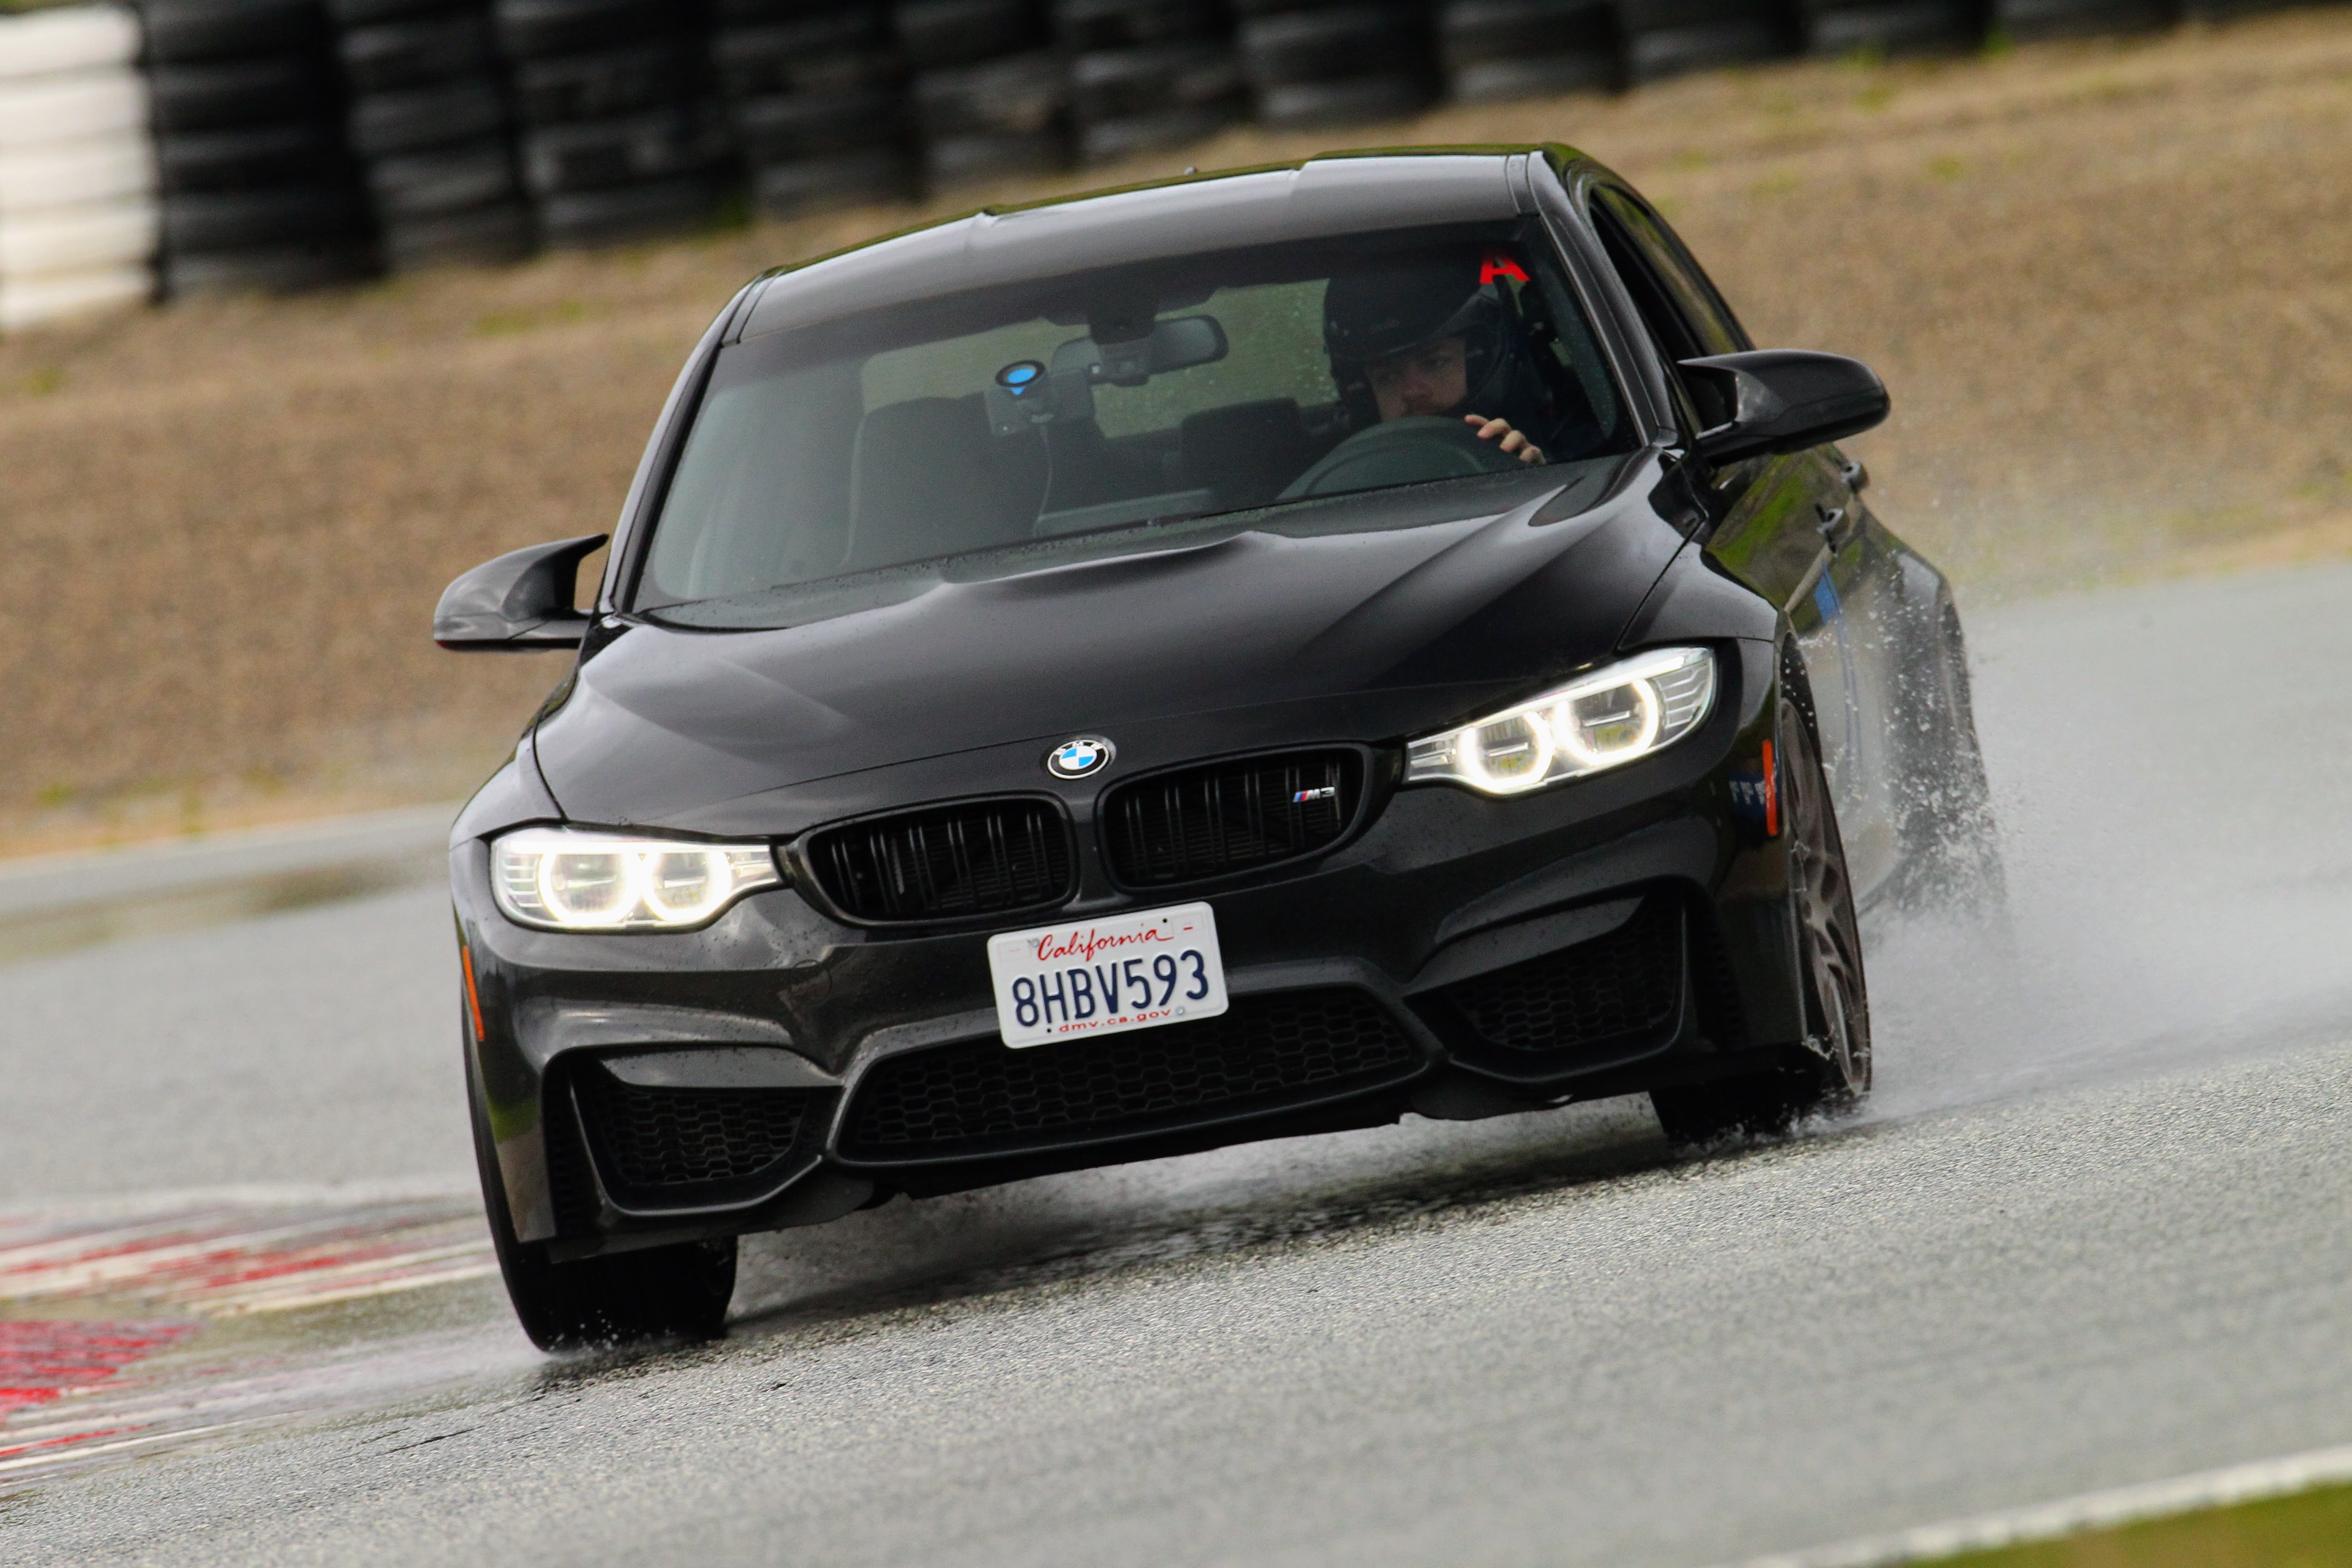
(678, 1291)
(1833, 1070)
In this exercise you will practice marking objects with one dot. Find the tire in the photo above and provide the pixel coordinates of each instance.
(92, 237)
(794, 127)
(258, 219)
(1656, 54)
(187, 31)
(586, 220)
(1483, 32)
(71, 108)
(28, 301)
(445, 181)
(73, 173)
(265, 269)
(347, 13)
(979, 155)
(391, 57)
(1832, 1072)
(1200, 82)
(295, 153)
(661, 1292)
(601, 154)
(384, 123)
(836, 180)
(1910, 27)
(1127, 136)
(85, 37)
(613, 82)
(224, 94)
(1084, 27)
(2029, 21)
(938, 34)
(536, 29)
(487, 235)
(1021, 95)
(1545, 75)
(1305, 104)
(1346, 44)
(845, 51)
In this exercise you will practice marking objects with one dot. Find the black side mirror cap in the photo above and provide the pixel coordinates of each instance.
(1785, 400)
(519, 603)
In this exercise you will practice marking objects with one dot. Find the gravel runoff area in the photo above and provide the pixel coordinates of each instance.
(2110, 283)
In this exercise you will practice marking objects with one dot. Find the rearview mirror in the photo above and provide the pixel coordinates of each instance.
(1784, 400)
(519, 603)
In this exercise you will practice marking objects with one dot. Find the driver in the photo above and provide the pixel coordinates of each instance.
(1428, 338)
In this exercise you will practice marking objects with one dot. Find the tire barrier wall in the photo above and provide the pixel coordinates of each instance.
(259, 187)
(77, 211)
(280, 143)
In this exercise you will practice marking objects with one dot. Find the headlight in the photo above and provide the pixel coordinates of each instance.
(562, 879)
(1614, 715)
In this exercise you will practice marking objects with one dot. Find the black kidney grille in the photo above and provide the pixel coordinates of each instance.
(978, 1094)
(947, 861)
(1627, 983)
(648, 1138)
(1230, 817)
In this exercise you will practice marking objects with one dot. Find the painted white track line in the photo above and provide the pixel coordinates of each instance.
(2251, 1482)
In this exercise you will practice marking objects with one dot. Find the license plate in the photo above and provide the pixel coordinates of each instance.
(1098, 976)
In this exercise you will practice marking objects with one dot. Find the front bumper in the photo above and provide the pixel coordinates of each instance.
(1458, 956)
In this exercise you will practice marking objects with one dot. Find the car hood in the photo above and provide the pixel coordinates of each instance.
(1253, 637)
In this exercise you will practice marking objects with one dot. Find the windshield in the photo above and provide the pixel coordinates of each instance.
(1103, 403)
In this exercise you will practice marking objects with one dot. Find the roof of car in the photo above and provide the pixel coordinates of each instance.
(1342, 192)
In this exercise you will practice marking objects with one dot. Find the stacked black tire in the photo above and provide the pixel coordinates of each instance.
(817, 99)
(989, 92)
(2027, 21)
(619, 137)
(260, 191)
(1892, 27)
(1148, 74)
(1671, 37)
(428, 121)
(1313, 64)
(1499, 49)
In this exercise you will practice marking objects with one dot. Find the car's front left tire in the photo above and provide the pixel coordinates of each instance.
(1833, 1068)
(678, 1291)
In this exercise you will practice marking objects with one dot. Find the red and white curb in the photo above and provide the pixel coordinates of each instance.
(102, 1308)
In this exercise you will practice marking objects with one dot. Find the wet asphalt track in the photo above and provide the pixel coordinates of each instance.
(2093, 1230)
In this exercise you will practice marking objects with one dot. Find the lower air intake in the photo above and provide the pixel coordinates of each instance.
(651, 1140)
(979, 1096)
(1628, 982)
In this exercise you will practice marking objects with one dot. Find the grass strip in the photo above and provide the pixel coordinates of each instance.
(2306, 1530)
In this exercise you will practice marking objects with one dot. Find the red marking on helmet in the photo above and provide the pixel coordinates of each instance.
(1498, 265)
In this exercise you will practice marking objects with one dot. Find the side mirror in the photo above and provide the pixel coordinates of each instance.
(521, 602)
(1784, 400)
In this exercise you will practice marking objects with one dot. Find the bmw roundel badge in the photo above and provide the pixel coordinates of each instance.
(1080, 756)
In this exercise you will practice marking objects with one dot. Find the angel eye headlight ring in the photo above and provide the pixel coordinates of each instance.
(569, 879)
(1617, 714)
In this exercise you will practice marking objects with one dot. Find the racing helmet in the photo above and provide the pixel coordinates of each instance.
(1371, 314)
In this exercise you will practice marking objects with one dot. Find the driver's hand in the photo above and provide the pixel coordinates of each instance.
(1518, 446)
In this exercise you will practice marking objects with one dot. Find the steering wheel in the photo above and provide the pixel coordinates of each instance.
(1408, 451)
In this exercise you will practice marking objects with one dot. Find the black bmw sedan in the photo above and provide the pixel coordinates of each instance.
(1243, 656)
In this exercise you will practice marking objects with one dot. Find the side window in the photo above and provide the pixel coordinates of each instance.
(1681, 308)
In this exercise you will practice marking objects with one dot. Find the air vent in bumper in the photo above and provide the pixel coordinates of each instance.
(656, 1141)
(978, 1097)
(1614, 987)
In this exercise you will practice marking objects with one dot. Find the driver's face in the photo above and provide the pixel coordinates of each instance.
(1430, 379)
